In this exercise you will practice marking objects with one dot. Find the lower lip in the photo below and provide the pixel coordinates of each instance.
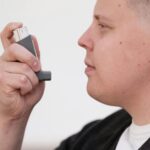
(89, 70)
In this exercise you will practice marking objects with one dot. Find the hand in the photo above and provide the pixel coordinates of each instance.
(20, 88)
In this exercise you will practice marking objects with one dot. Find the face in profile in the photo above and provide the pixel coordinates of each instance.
(117, 54)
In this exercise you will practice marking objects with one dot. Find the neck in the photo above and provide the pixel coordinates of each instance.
(141, 114)
(139, 107)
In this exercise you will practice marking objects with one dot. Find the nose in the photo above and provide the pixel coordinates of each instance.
(85, 40)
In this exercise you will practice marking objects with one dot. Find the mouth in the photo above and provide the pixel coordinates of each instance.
(89, 69)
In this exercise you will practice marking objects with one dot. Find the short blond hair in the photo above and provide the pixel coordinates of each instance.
(141, 7)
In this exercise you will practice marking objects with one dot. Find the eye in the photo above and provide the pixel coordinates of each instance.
(102, 26)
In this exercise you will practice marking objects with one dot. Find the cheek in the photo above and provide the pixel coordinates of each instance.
(121, 65)
(110, 61)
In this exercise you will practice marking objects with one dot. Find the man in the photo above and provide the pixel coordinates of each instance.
(118, 69)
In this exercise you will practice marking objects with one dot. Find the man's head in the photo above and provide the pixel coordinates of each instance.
(118, 52)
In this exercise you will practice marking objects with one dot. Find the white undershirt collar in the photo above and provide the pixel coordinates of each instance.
(134, 137)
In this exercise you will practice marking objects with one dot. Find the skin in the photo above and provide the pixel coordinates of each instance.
(118, 69)
(118, 58)
(20, 89)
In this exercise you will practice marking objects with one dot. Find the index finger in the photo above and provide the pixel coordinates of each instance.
(7, 33)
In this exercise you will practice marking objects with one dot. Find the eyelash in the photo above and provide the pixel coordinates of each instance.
(102, 25)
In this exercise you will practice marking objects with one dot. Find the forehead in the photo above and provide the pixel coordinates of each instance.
(113, 9)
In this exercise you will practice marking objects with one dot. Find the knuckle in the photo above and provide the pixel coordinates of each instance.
(10, 26)
(23, 79)
(30, 59)
(25, 83)
(25, 68)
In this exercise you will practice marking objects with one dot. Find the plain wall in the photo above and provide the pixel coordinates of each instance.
(65, 106)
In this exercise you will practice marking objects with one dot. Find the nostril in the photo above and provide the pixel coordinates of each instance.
(82, 45)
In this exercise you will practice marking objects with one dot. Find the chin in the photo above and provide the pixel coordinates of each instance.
(101, 96)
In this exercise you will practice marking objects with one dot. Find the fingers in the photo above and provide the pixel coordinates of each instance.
(13, 82)
(7, 36)
(7, 33)
(23, 69)
(36, 46)
(17, 62)
(15, 52)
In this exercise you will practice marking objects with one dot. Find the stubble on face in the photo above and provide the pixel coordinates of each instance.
(121, 56)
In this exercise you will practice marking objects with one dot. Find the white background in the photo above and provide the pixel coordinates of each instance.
(65, 106)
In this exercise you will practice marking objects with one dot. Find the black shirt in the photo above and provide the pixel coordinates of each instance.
(101, 134)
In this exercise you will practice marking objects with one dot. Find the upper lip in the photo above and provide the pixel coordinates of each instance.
(89, 64)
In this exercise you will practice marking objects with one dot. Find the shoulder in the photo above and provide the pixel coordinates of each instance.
(119, 119)
(97, 130)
